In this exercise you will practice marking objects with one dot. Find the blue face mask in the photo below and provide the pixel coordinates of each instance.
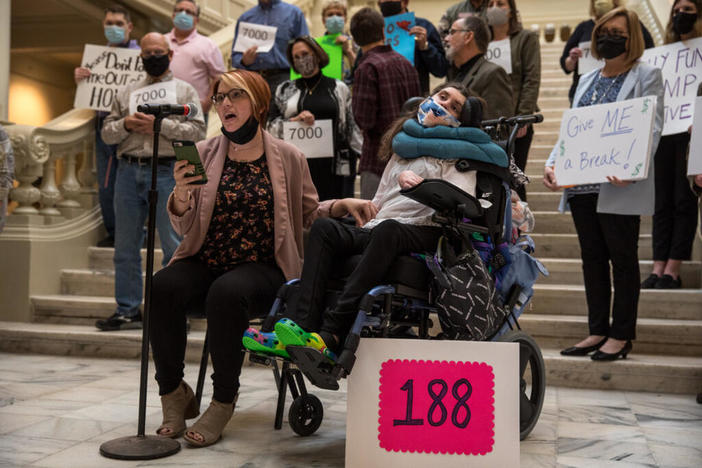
(431, 114)
(183, 21)
(334, 24)
(114, 34)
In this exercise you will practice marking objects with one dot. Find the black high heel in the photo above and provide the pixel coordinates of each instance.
(576, 351)
(602, 356)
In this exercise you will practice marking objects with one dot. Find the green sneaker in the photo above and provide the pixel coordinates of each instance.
(265, 343)
(291, 334)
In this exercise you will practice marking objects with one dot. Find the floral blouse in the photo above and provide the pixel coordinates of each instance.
(241, 229)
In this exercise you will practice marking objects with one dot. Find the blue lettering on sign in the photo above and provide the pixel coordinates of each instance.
(614, 122)
(575, 126)
(598, 160)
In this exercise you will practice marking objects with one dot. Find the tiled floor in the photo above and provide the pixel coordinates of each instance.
(56, 411)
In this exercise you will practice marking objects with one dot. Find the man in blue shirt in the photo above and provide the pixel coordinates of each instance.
(272, 65)
(429, 56)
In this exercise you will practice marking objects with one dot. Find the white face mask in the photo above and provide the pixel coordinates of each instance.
(496, 16)
(603, 6)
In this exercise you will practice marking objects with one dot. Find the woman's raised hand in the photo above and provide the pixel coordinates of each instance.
(361, 210)
(305, 116)
(550, 179)
(182, 181)
(617, 182)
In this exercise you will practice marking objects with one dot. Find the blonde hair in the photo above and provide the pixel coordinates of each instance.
(593, 13)
(253, 85)
(670, 35)
(327, 4)
(635, 47)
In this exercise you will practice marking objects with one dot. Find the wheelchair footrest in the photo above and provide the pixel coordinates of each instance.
(314, 365)
(261, 359)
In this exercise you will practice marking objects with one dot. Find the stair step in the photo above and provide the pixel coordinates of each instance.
(100, 258)
(563, 299)
(569, 271)
(567, 246)
(639, 372)
(542, 201)
(653, 336)
(554, 222)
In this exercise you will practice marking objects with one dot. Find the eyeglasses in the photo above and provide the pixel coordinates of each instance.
(612, 32)
(153, 53)
(454, 31)
(233, 94)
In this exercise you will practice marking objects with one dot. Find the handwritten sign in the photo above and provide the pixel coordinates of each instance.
(315, 141)
(251, 34)
(397, 34)
(111, 69)
(157, 93)
(412, 403)
(335, 53)
(694, 160)
(681, 64)
(587, 63)
(500, 53)
(605, 140)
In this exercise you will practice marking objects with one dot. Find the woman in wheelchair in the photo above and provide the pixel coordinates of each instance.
(242, 238)
(401, 226)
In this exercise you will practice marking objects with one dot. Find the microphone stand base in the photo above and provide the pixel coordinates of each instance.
(139, 447)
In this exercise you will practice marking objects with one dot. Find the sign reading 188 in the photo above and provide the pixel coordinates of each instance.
(461, 391)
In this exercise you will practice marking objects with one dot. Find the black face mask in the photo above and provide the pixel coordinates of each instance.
(611, 46)
(391, 8)
(156, 65)
(684, 22)
(244, 134)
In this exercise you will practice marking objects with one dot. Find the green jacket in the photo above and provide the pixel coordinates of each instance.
(526, 71)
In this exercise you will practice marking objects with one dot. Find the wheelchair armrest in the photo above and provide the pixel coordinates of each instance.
(445, 198)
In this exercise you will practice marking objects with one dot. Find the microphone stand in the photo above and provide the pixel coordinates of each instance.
(141, 446)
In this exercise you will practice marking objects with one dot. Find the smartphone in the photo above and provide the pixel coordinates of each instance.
(186, 150)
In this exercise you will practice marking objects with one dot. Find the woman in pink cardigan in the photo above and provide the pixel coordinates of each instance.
(242, 238)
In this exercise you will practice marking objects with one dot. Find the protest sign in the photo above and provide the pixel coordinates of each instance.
(421, 403)
(335, 53)
(397, 34)
(500, 53)
(681, 64)
(605, 140)
(251, 34)
(315, 141)
(157, 93)
(587, 63)
(694, 160)
(111, 69)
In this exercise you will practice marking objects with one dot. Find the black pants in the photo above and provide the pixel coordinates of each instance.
(521, 154)
(329, 185)
(230, 299)
(331, 243)
(675, 217)
(606, 238)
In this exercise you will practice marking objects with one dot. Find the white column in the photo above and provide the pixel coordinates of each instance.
(4, 57)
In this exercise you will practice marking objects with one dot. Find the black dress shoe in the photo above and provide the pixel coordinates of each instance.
(650, 282)
(576, 351)
(601, 356)
(668, 282)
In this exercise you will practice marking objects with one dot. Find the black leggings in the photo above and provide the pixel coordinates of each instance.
(330, 244)
(521, 153)
(248, 290)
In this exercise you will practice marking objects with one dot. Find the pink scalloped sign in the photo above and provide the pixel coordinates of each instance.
(437, 407)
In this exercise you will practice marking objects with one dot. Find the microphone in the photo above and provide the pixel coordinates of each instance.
(164, 110)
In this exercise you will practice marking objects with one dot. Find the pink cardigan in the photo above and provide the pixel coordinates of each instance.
(295, 201)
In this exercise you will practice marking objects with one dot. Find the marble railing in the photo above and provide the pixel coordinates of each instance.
(649, 12)
(60, 155)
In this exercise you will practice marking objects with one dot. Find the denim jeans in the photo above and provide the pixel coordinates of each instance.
(131, 209)
(106, 165)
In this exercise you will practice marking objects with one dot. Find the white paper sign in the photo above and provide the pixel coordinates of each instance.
(111, 69)
(681, 64)
(694, 161)
(157, 93)
(587, 63)
(251, 34)
(605, 140)
(500, 53)
(315, 141)
(417, 403)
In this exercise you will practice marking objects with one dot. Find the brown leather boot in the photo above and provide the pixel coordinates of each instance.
(210, 426)
(177, 406)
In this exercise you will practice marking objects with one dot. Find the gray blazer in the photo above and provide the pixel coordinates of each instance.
(637, 198)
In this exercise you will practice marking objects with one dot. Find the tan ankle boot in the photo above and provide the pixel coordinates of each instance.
(177, 406)
(211, 424)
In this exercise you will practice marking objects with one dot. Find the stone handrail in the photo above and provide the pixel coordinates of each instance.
(37, 151)
(649, 12)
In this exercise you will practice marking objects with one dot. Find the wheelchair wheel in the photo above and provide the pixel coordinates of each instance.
(532, 380)
(305, 414)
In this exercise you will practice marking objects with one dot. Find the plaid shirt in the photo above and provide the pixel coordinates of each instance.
(383, 81)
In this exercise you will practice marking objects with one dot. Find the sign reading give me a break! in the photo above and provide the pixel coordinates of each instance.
(605, 140)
